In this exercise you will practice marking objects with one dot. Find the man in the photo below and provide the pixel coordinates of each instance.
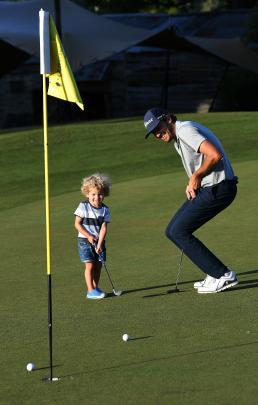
(210, 189)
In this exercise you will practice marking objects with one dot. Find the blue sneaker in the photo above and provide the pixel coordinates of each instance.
(101, 291)
(96, 294)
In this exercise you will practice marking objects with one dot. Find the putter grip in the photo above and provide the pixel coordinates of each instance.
(100, 255)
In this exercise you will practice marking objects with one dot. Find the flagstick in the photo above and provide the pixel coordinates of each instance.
(45, 123)
(61, 86)
(50, 326)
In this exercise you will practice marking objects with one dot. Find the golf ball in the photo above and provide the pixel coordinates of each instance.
(30, 366)
(125, 337)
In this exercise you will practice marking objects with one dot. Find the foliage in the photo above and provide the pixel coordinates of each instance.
(167, 6)
(239, 90)
(252, 32)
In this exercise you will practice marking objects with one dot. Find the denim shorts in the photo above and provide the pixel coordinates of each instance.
(87, 252)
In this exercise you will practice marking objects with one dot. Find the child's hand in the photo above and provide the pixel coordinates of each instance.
(91, 239)
(98, 249)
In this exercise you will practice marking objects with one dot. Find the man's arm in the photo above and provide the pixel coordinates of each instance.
(211, 157)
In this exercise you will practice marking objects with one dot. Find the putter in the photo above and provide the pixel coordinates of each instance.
(116, 292)
(179, 271)
(176, 289)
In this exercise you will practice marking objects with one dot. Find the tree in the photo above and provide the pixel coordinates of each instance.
(252, 32)
(166, 6)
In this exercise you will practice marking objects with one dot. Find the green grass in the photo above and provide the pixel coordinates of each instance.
(116, 147)
(191, 349)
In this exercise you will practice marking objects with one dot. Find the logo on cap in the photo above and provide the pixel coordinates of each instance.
(152, 118)
(148, 122)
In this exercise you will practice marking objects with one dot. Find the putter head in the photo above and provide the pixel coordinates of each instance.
(175, 290)
(118, 292)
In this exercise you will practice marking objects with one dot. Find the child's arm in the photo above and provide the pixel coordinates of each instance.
(102, 235)
(81, 229)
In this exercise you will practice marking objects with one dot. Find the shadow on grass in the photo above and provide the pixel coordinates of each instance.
(248, 272)
(167, 358)
(140, 338)
(47, 367)
(156, 287)
(238, 287)
(110, 295)
(174, 291)
(243, 285)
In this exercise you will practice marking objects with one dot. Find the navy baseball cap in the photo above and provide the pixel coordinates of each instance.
(152, 119)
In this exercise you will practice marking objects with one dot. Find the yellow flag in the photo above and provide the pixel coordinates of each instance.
(61, 81)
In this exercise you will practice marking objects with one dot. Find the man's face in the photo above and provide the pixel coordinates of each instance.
(164, 132)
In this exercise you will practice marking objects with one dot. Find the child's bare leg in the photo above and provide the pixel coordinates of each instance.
(96, 273)
(89, 276)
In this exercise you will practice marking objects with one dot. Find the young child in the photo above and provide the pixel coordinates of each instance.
(91, 219)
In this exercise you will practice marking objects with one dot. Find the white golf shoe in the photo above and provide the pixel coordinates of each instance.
(214, 285)
(198, 284)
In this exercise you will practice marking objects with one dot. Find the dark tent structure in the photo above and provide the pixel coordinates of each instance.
(229, 50)
(88, 37)
(97, 44)
(217, 34)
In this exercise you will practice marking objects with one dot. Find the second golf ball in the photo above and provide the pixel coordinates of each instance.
(30, 366)
(125, 337)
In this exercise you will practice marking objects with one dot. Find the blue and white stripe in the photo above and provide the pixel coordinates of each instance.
(92, 217)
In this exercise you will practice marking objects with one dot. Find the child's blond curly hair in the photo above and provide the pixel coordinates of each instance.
(100, 181)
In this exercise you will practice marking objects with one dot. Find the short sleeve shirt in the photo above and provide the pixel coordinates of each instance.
(190, 136)
(92, 217)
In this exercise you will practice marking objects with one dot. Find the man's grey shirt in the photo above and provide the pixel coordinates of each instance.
(189, 136)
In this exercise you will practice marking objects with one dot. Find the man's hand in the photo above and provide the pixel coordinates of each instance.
(190, 193)
(193, 185)
(211, 157)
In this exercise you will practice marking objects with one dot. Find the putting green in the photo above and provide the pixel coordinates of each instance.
(187, 348)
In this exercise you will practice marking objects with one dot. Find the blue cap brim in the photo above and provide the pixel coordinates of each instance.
(147, 135)
(151, 132)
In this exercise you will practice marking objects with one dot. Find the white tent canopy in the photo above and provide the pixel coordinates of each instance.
(86, 37)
